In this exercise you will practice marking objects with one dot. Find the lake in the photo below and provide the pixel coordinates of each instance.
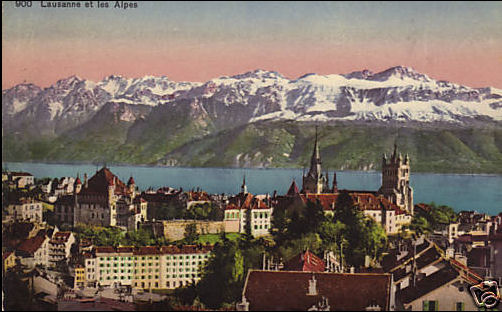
(478, 192)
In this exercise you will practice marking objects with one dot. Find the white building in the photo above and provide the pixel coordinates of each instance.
(60, 246)
(246, 210)
(26, 210)
(34, 251)
(149, 267)
(22, 179)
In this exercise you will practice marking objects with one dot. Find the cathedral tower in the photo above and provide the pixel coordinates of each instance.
(396, 180)
(314, 181)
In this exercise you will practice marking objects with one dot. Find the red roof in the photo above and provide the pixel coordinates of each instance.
(60, 237)
(246, 201)
(288, 291)
(77, 181)
(306, 262)
(31, 245)
(99, 183)
(18, 174)
(293, 189)
(131, 181)
(365, 201)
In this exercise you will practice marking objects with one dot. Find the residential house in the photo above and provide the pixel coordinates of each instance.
(427, 278)
(34, 251)
(79, 280)
(314, 291)
(59, 247)
(26, 209)
(22, 179)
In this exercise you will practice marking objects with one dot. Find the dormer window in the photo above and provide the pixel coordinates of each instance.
(312, 287)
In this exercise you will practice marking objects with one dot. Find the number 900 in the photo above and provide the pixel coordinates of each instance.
(24, 4)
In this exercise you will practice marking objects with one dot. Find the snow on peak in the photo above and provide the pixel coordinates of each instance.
(259, 74)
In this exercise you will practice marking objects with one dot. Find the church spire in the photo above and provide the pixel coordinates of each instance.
(244, 188)
(335, 184)
(315, 161)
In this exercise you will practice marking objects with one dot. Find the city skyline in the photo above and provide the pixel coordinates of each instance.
(198, 41)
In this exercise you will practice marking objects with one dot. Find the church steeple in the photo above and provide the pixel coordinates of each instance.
(315, 161)
(335, 184)
(244, 188)
(314, 181)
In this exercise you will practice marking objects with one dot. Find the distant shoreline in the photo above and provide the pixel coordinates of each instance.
(237, 168)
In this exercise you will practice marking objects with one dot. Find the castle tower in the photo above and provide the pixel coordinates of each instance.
(131, 185)
(396, 180)
(78, 185)
(314, 181)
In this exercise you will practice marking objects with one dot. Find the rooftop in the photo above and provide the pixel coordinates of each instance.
(286, 290)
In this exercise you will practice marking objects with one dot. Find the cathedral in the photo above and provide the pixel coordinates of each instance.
(314, 181)
(395, 179)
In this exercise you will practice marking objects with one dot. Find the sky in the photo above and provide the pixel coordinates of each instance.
(197, 41)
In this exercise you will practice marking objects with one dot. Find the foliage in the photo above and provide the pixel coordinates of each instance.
(191, 235)
(113, 236)
(206, 211)
(222, 279)
(426, 222)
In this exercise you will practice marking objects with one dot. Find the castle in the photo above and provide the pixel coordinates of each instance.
(103, 200)
(395, 187)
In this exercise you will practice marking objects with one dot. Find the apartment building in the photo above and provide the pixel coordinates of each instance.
(149, 267)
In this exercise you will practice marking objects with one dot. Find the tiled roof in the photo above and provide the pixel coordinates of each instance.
(246, 201)
(31, 245)
(99, 183)
(286, 290)
(198, 196)
(365, 201)
(306, 262)
(293, 189)
(19, 174)
(60, 237)
(428, 284)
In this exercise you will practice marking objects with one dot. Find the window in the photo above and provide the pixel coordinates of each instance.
(430, 305)
(459, 306)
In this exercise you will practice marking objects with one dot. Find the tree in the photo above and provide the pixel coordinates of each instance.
(222, 279)
(191, 235)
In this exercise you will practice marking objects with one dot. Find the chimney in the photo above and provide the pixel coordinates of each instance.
(86, 184)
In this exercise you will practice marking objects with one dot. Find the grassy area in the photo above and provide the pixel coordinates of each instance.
(214, 238)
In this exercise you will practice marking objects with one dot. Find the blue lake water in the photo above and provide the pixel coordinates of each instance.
(482, 193)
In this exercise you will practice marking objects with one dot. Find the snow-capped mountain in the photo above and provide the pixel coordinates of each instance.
(398, 93)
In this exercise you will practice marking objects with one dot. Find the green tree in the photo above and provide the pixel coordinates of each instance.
(191, 235)
(222, 280)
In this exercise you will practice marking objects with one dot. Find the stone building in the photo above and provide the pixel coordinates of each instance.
(396, 180)
(26, 209)
(103, 200)
(246, 210)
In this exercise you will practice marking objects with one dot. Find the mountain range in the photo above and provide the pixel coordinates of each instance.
(257, 119)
